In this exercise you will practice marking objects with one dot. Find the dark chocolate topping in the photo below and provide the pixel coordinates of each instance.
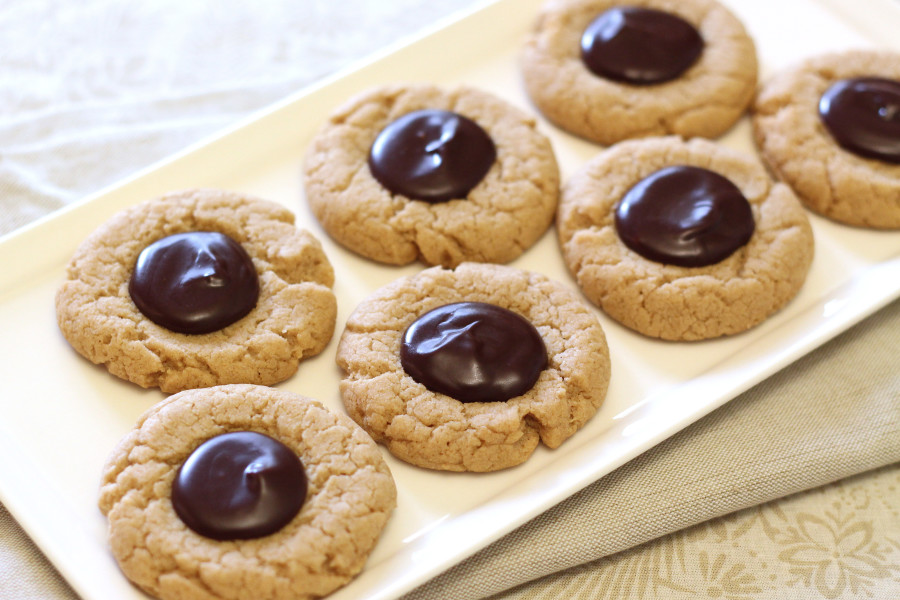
(432, 155)
(863, 116)
(194, 282)
(639, 45)
(685, 216)
(473, 352)
(239, 485)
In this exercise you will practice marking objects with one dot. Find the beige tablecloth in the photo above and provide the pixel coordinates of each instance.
(92, 91)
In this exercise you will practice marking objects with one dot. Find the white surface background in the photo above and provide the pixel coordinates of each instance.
(92, 91)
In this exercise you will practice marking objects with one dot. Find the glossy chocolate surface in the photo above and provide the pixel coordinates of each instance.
(195, 282)
(432, 155)
(239, 485)
(685, 216)
(641, 46)
(473, 352)
(863, 116)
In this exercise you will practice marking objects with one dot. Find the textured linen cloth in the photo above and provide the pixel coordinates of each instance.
(832, 414)
(91, 92)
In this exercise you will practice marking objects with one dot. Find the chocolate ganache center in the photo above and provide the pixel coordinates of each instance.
(473, 352)
(432, 155)
(195, 282)
(638, 45)
(239, 485)
(863, 116)
(685, 216)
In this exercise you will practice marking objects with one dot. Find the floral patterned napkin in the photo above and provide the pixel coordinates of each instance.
(836, 541)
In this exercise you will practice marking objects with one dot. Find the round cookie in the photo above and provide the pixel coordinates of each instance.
(704, 100)
(682, 302)
(505, 212)
(293, 316)
(350, 496)
(434, 430)
(794, 141)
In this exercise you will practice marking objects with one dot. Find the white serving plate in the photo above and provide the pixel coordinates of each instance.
(61, 416)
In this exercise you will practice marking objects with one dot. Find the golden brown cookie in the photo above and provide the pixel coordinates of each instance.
(422, 207)
(673, 301)
(834, 178)
(435, 430)
(349, 495)
(700, 95)
(291, 317)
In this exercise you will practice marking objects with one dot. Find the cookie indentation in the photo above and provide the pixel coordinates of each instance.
(194, 282)
(473, 352)
(432, 155)
(239, 485)
(863, 116)
(684, 215)
(639, 45)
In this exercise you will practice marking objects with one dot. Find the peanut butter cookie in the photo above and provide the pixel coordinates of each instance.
(199, 288)
(469, 369)
(683, 240)
(244, 491)
(407, 172)
(609, 71)
(830, 128)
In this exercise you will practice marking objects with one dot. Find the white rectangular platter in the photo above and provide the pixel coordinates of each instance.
(61, 416)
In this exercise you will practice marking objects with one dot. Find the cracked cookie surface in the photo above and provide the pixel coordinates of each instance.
(350, 496)
(501, 217)
(293, 318)
(705, 100)
(436, 431)
(674, 302)
(793, 141)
